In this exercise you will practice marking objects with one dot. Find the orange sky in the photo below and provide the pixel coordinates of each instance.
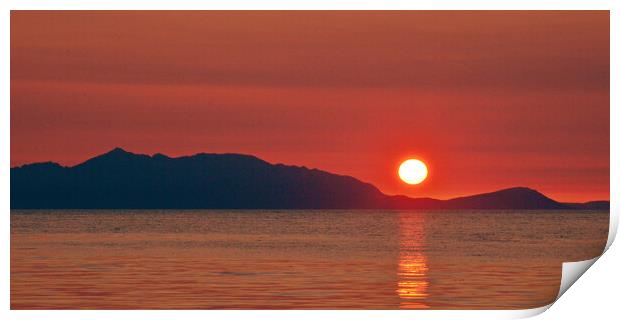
(488, 99)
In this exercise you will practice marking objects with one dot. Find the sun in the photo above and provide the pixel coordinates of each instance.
(412, 171)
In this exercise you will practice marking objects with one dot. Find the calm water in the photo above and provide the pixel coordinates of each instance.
(295, 259)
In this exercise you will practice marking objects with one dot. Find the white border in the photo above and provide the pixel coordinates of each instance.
(6, 5)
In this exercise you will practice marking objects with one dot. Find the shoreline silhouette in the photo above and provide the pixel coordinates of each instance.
(120, 179)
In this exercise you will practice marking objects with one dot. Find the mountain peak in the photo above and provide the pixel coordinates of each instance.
(510, 198)
(116, 154)
(117, 151)
(110, 158)
(520, 190)
(160, 155)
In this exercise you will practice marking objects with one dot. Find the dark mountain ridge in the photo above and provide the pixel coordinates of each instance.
(120, 179)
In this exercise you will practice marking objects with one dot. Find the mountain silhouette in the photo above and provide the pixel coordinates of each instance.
(120, 179)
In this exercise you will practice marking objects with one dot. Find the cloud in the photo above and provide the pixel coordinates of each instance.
(531, 51)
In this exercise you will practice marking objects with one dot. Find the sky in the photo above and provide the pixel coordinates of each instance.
(488, 100)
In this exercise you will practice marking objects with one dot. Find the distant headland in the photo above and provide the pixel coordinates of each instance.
(123, 180)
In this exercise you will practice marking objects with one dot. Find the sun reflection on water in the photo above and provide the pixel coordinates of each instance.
(413, 282)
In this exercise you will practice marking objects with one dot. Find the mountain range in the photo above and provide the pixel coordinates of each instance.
(123, 180)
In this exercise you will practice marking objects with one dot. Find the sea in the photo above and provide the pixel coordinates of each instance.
(282, 259)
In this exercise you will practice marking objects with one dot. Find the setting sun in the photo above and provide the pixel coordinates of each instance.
(412, 171)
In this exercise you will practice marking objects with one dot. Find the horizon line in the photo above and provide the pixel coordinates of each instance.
(153, 155)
